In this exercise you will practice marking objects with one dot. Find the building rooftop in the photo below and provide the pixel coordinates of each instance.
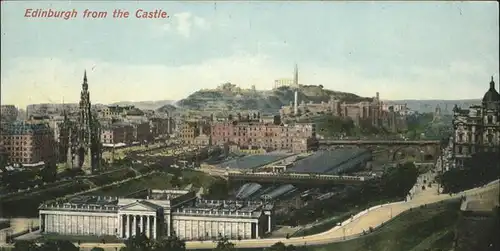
(84, 204)
(325, 161)
(253, 161)
(225, 208)
(20, 128)
(98, 200)
(168, 194)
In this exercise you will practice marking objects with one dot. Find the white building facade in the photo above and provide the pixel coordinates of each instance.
(163, 213)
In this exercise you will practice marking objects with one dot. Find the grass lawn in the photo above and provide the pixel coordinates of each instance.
(332, 221)
(322, 227)
(154, 181)
(197, 178)
(111, 177)
(421, 229)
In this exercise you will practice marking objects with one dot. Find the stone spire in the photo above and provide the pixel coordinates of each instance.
(86, 128)
(85, 85)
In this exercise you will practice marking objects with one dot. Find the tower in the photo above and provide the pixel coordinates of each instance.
(437, 113)
(87, 147)
(490, 113)
(296, 87)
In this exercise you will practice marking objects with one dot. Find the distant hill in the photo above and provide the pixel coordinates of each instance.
(230, 97)
(145, 105)
(170, 109)
(430, 105)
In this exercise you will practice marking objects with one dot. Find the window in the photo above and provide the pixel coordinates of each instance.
(490, 119)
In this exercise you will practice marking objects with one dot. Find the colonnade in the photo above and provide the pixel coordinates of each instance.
(76, 223)
(203, 228)
(132, 225)
(269, 225)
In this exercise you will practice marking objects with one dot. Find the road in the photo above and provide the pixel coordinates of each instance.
(351, 229)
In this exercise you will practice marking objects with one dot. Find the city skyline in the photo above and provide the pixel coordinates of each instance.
(428, 50)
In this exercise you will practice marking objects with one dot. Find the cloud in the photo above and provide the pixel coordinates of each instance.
(185, 22)
(201, 23)
(39, 80)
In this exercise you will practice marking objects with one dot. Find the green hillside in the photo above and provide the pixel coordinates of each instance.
(229, 97)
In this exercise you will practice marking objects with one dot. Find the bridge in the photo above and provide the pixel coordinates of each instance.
(295, 178)
(381, 142)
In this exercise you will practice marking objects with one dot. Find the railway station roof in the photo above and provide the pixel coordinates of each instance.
(252, 161)
(325, 161)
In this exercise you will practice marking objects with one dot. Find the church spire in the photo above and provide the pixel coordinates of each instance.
(85, 85)
(64, 110)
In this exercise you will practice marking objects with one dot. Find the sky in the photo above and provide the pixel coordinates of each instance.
(412, 50)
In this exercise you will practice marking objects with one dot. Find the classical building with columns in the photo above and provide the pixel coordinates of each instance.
(161, 213)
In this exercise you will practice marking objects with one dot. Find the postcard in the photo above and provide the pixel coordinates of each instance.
(249, 125)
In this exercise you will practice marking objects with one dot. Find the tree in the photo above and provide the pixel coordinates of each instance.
(25, 246)
(138, 243)
(226, 149)
(175, 181)
(48, 174)
(478, 170)
(280, 246)
(277, 119)
(223, 244)
(58, 246)
(171, 243)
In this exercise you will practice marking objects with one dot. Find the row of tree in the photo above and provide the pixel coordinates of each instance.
(481, 168)
(142, 243)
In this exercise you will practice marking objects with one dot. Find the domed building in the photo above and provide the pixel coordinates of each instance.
(477, 129)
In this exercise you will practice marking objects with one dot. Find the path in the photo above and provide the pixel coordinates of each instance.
(353, 228)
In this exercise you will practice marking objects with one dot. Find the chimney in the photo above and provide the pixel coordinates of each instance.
(295, 107)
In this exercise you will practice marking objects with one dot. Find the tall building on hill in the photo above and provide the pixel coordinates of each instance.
(477, 129)
(83, 137)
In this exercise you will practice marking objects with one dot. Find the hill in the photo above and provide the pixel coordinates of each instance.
(145, 105)
(229, 97)
(168, 108)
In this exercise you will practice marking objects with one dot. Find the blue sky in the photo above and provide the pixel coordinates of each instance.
(420, 50)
